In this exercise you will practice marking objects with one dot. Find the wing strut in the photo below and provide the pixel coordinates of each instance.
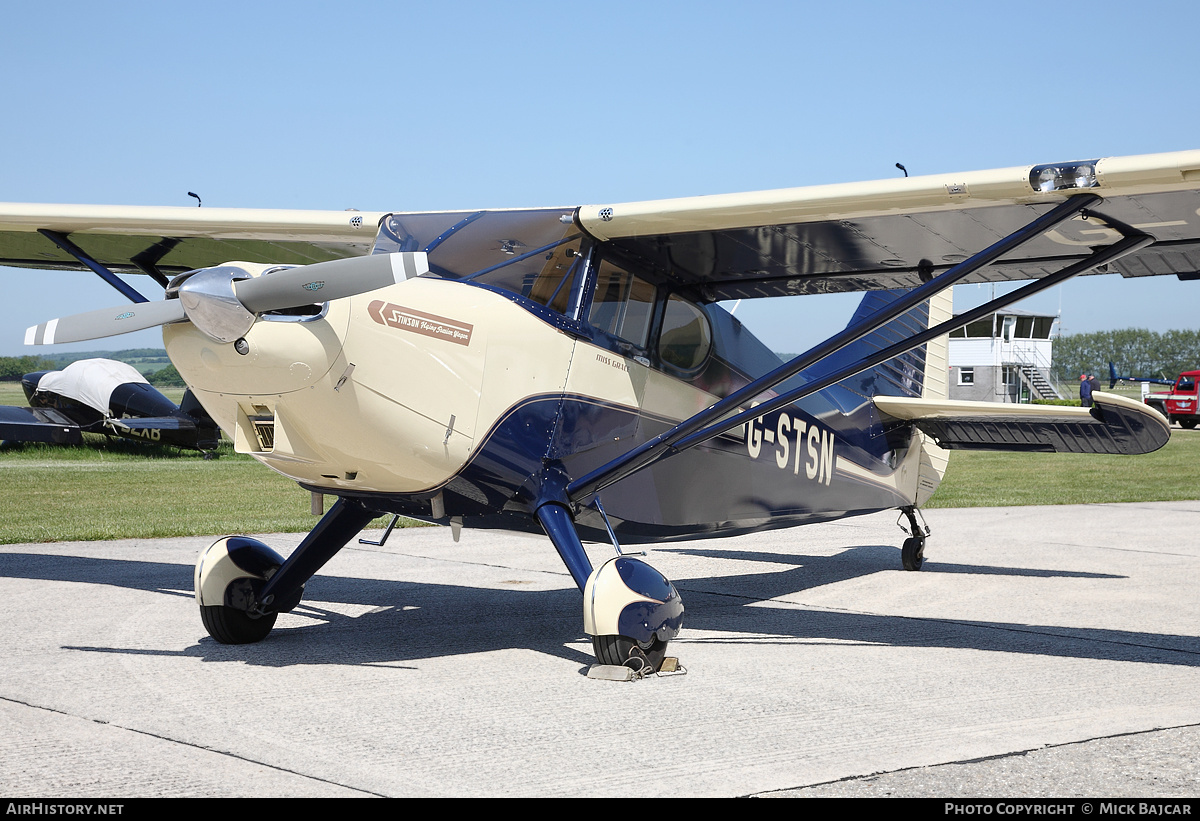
(711, 422)
(1104, 255)
(108, 276)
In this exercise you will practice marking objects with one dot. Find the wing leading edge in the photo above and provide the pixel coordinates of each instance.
(880, 235)
(1115, 425)
(133, 239)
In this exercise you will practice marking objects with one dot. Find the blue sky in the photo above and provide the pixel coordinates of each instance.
(399, 106)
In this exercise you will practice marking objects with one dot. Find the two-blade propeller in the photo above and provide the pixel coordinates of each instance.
(223, 302)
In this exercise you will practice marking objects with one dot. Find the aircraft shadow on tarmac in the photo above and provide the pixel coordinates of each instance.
(854, 562)
(408, 621)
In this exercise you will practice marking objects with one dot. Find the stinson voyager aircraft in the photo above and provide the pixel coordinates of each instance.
(568, 371)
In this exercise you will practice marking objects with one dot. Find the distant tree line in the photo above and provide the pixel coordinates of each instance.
(1134, 352)
(131, 355)
(168, 377)
(12, 368)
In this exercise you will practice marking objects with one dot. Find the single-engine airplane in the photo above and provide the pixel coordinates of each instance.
(569, 371)
(109, 397)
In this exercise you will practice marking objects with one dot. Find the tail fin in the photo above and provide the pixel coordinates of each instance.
(937, 386)
(937, 352)
(1112, 376)
(920, 373)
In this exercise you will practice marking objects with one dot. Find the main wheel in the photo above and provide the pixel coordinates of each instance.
(621, 650)
(912, 555)
(230, 626)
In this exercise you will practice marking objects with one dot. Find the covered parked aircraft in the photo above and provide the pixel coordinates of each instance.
(108, 397)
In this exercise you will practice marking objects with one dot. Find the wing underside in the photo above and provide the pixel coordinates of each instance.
(899, 233)
(170, 240)
(1115, 425)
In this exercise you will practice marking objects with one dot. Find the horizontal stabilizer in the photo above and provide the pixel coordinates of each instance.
(37, 425)
(1114, 425)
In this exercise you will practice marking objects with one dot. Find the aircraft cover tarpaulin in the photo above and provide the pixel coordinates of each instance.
(90, 381)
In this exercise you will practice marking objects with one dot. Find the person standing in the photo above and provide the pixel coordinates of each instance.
(1085, 391)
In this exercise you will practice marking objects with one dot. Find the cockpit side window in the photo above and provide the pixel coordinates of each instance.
(622, 305)
(546, 277)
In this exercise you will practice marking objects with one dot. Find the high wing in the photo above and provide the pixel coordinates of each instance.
(884, 234)
(1115, 425)
(162, 241)
(897, 233)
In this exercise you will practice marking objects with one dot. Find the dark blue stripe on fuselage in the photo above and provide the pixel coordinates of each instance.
(716, 488)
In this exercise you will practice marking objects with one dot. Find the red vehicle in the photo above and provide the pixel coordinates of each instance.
(1180, 403)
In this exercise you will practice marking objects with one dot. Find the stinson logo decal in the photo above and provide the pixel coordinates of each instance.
(419, 322)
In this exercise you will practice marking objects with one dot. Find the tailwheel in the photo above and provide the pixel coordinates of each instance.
(912, 554)
(624, 651)
(230, 626)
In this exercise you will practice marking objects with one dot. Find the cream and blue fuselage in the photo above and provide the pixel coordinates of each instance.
(440, 399)
(543, 356)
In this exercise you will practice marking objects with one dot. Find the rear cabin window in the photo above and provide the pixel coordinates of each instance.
(686, 338)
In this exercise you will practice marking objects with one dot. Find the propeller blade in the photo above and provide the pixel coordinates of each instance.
(321, 281)
(105, 322)
(287, 288)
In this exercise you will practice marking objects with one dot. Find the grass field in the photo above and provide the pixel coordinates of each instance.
(985, 479)
(114, 490)
(12, 394)
(110, 490)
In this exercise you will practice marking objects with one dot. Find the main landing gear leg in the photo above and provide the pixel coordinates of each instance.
(912, 555)
(630, 609)
(242, 585)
